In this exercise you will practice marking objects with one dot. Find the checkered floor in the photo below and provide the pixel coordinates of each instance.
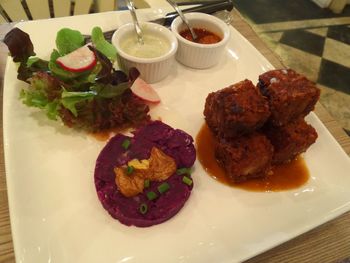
(318, 47)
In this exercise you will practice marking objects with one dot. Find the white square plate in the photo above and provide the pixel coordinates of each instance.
(57, 217)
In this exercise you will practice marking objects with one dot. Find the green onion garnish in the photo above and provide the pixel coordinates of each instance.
(187, 180)
(126, 144)
(143, 208)
(151, 195)
(147, 183)
(183, 170)
(163, 187)
(129, 169)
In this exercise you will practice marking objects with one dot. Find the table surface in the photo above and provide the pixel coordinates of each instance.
(329, 242)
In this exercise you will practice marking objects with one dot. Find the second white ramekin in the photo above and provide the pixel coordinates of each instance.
(197, 55)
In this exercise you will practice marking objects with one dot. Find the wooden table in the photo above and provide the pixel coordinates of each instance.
(327, 243)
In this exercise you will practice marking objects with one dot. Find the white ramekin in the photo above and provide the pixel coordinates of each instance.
(197, 55)
(152, 69)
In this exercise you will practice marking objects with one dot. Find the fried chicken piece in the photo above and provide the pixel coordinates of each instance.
(290, 95)
(245, 157)
(236, 110)
(290, 140)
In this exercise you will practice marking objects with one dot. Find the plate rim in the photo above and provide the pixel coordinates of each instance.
(10, 186)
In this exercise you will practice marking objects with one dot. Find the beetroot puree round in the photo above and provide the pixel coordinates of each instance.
(175, 143)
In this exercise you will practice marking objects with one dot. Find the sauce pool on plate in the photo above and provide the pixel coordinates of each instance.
(204, 36)
(283, 177)
(105, 135)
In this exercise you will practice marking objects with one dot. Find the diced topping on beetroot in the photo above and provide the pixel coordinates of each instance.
(158, 167)
(129, 184)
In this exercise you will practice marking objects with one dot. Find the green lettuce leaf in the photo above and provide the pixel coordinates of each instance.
(32, 60)
(52, 109)
(102, 45)
(34, 98)
(68, 40)
(39, 100)
(109, 90)
(70, 99)
(43, 93)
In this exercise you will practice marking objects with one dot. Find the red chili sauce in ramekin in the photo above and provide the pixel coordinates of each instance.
(204, 36)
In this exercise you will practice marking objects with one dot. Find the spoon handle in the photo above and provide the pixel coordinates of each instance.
(131, 7)
(184, 19)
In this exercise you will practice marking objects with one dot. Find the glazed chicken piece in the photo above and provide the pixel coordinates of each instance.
(236, 110)
(245, 157)
(290, 140)
(290, 95)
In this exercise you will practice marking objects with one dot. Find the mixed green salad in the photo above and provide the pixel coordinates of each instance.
(78, 84)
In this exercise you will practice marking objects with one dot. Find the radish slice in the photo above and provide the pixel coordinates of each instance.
(144, 91)
(79, 60)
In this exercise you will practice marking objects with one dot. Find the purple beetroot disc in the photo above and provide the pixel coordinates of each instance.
(173, 142)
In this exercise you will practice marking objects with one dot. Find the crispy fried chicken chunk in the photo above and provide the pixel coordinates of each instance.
(290, 140)
(236, 110)
(290, 95)
(245, 157)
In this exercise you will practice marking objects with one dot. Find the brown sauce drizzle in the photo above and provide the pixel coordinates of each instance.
(101, 136)
(106, 134)
(283, 177)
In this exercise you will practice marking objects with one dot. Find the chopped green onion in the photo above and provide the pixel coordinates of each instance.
(187, 180)
(183, 170)
(126, 144)
(143, 208)
(129, 169)
(163, 187)
(151, 195)
(147, 183)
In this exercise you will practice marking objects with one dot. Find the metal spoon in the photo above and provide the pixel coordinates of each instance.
(184, 19)
(131, 7)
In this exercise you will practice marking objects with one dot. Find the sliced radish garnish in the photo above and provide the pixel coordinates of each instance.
(144, 91)
(79, 60)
